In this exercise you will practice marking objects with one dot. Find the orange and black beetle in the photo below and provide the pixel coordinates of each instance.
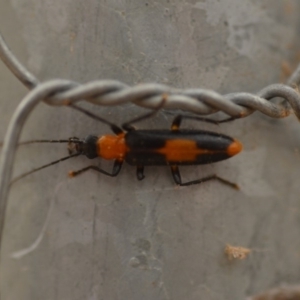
(141, 148)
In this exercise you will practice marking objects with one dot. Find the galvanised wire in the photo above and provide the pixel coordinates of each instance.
(111, 93)
(200, 101)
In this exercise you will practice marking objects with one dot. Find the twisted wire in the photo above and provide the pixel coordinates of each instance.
(111, 92)
(200, 101)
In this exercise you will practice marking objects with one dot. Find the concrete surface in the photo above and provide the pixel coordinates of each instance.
(94, 237)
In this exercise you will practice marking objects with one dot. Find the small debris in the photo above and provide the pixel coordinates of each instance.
(233, 252)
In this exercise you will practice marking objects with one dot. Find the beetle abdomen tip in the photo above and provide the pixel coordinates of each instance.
(234, 148)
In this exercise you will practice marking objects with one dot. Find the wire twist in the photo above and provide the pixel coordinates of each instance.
(112, 92)
(200, 101)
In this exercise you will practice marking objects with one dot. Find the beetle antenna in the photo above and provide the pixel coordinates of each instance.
(70, 140)
(43, 141)
(42, 167)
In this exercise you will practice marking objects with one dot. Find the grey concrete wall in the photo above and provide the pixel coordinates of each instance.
(94, 237)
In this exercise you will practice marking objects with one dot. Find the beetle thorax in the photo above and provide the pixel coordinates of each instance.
(112, 147)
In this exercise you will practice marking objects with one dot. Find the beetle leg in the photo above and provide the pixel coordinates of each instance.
(116, 129)
(127, 125)
(115, 171)
(176, 123)
(176, 174)
(177, 120)
(177, 179)
(140, 172)
(230, 119)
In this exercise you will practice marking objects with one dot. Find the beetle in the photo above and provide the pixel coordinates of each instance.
(154, 147)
